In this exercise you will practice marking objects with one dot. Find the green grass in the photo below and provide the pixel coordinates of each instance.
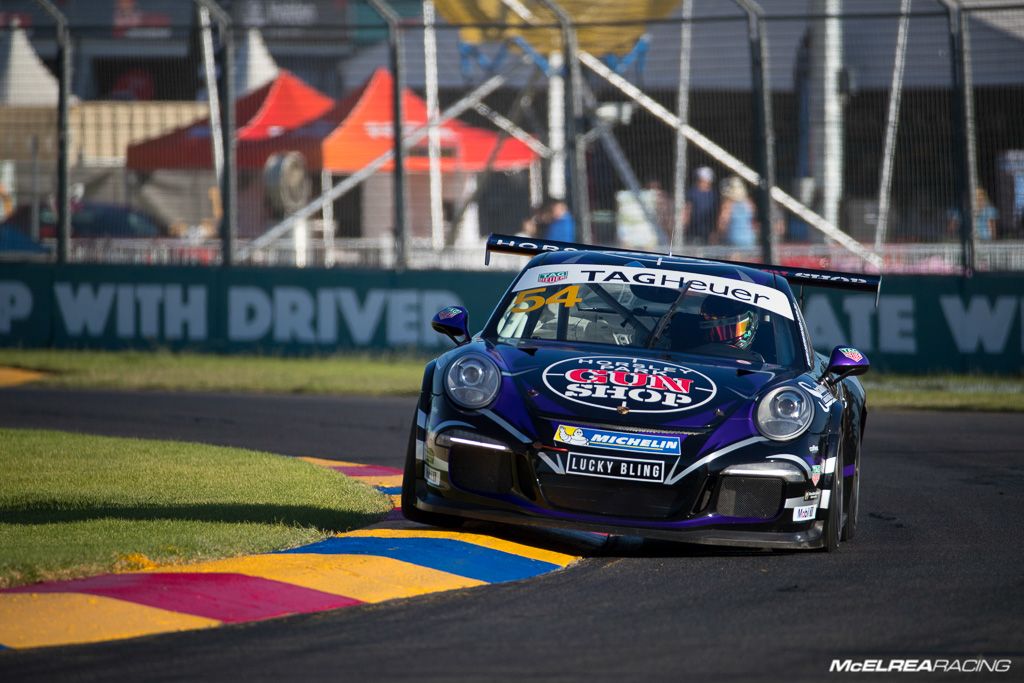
(401, 375)
(162, 370)
(945, 392)
(74, 505)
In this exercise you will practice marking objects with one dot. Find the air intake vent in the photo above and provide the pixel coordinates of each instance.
(753, 497)
(479, 470)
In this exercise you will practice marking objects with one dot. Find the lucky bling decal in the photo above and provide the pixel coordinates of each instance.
(629, 384)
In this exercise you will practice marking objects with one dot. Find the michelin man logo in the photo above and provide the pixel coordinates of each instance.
(571, 435)
(618, 441)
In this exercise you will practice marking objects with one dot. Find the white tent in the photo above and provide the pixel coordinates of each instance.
(254, 67)
(24, 79)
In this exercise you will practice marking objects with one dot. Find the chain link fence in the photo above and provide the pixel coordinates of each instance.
(823, 133)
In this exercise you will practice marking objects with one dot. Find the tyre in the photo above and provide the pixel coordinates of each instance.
(834, 520)
(853, 506)
(409, 509)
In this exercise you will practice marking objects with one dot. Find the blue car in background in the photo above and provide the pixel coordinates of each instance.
(643, 394)
(89, 220)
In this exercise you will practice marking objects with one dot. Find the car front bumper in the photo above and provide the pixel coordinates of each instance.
(500, 481)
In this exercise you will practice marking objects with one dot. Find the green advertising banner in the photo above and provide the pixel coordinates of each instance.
(927, 323)
(921, 323)
(243, 309)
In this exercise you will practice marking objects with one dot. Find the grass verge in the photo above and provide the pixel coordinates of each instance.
(401, 375)
(74, 505)
(162, 370)
(946, 392)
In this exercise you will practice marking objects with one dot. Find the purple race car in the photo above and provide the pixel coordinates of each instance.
(643, 394)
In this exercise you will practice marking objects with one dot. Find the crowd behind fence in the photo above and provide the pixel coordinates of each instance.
(851, 135)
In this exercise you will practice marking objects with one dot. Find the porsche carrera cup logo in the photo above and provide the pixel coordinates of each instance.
(641, 385)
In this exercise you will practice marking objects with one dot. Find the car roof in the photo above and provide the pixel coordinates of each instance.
(678, 263)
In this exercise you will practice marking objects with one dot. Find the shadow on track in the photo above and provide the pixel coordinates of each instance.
(291, 515)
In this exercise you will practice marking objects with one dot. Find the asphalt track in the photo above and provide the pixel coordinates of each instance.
(937, 570)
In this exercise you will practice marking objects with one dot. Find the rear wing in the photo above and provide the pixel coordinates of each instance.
(863, 282)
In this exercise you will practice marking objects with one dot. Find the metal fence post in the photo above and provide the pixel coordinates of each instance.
(576, 152)
(678, 234)
(892, 122)
(229, 185)
(764, 134)
(226, 91)
(63, 140)
(962, 111)
(392, 19)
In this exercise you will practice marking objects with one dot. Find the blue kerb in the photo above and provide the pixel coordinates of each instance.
(444, 554)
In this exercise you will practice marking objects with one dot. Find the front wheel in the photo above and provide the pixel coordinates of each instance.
(409, 509)
(834, 519)
(853, 507)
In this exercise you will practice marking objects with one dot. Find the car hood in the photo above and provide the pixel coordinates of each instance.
(655, 390)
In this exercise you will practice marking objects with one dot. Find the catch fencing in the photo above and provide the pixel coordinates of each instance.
(852, 135)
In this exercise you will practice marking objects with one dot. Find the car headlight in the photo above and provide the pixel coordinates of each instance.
(472, 381)
(784, 413)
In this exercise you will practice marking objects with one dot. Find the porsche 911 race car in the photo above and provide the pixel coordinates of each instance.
(643, 394)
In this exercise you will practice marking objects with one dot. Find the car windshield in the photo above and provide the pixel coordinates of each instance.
(684, 317)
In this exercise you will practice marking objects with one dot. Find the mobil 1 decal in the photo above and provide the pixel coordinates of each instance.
(640, 385)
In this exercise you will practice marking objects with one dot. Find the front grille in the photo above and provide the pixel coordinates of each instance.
(616, 498)
(755, 497)
(479, 470)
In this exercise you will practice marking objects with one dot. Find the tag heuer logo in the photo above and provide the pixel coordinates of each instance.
(853, 354)
(556, 276)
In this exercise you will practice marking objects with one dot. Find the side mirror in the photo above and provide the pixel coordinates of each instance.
(453, 322)
(846, 361)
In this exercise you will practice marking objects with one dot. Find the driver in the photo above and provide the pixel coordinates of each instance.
(723, 321)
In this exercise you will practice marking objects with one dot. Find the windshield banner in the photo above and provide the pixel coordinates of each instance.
(589, 273)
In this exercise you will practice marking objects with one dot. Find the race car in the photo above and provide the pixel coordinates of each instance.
(643, 394)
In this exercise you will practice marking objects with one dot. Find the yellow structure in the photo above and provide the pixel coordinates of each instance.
(623, 22)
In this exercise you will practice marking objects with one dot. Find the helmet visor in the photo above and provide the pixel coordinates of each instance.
(726, 329)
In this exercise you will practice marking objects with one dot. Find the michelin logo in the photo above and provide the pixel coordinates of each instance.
(617, 441)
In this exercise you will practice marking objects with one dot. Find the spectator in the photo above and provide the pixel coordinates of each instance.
(529, 227)
(557, 222)
(985, 217)
(701, 207)
(736, 219)
(662, 208)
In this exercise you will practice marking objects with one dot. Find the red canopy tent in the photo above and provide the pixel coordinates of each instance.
(367, 132)
(264, 114)
(335, 138)
(286, 114)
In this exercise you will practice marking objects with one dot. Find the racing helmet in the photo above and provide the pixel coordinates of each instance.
(723, 321)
